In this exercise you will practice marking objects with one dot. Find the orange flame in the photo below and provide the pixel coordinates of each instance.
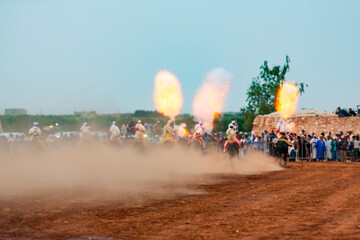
(181, 130)
(287, 99)
(167, 94)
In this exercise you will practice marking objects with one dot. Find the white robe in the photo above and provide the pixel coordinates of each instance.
(139, 130)
(114, 132)
(84, 132)
(199, 129)
(35, 131)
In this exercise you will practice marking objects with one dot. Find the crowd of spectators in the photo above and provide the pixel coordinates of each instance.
(309, 147)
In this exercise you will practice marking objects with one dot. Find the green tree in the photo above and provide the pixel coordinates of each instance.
(261, 94)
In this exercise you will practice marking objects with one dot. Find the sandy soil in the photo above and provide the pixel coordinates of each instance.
(306, 201)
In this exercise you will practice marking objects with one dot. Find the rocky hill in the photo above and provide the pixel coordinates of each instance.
(311, 120)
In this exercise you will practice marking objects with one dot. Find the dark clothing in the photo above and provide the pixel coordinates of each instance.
(352, 113)
(343, 144)
(282, 146)
(342, 113)
(302, 149)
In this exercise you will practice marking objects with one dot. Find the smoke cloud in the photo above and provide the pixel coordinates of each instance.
(211, 97)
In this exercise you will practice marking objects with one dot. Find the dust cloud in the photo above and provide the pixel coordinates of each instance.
(101, 168)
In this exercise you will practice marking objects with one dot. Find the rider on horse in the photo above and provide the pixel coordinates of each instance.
(169, 134)
(199, 132)
(231, 137)
(282, 146)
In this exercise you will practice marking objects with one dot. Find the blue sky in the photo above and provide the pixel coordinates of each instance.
(61, 56)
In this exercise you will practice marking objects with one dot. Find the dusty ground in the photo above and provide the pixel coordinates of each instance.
(307, 200)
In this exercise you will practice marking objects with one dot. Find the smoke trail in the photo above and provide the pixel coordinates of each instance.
(211, 97)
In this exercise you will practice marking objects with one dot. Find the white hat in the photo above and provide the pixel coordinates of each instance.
(139, 121)
(85, 123)
(233, 121)
(36, 124)
(158, 121)
(113, 122)
(200, 122)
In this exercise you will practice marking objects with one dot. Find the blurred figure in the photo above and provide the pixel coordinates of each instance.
(139, 130)
(149, 128)
(169, 133)
(352, 113)
(341, 112)
(197, 140)
(199, 130)
(35, 132)
(124, 129)
(131, 128)
(157, 128)
(114, 134)
(85, 133)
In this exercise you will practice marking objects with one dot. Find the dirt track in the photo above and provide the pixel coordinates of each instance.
(307, 200)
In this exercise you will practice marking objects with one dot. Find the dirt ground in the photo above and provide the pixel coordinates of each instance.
(306, 201)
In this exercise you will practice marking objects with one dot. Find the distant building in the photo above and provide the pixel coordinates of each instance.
(15, 111)
(85, 114)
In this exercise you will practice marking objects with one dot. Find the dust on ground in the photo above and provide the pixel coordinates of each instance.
(306, 201)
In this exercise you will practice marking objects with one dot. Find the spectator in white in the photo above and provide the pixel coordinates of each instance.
(351, 136)
(124, 129)
(312, 142)
(357, 148)
(328, 147)
(85, 132)
(35, 132)
(139, 130)
(114, 134)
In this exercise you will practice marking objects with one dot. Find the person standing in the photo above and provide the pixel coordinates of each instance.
(313, 142)
(320, 146)
(343, 147)
(357, 147)
(335, 149)
(328, 148)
